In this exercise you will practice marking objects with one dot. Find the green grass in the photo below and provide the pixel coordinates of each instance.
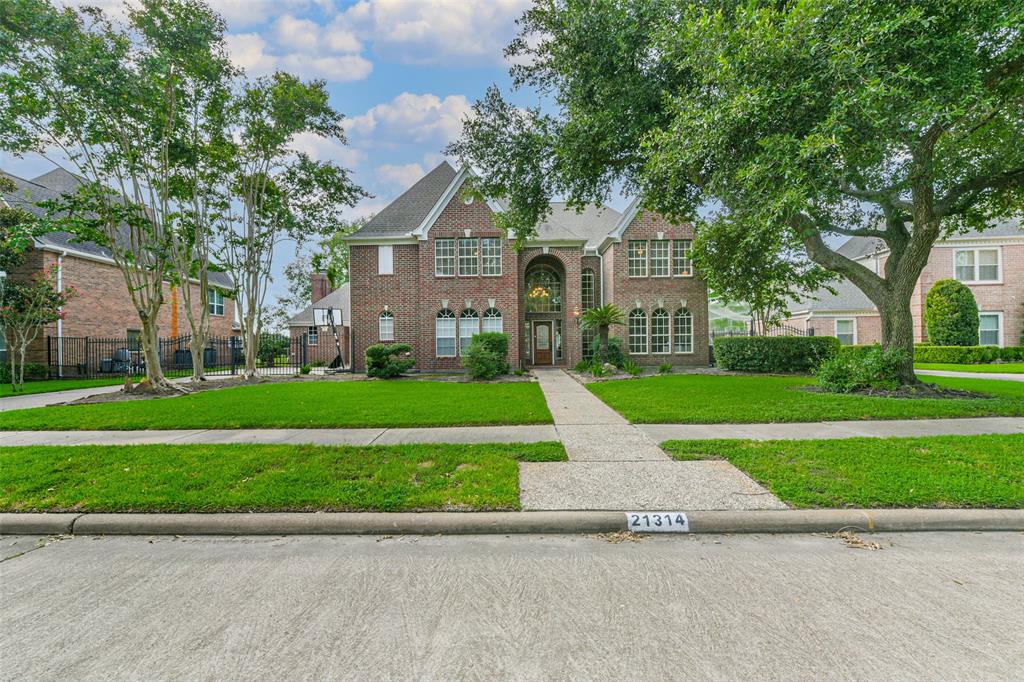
(985, 368)
(209, 478)
(51, 385)
(937, 471)
(314, 404)
(709, 399)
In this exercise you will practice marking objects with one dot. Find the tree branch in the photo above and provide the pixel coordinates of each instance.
(951, 202)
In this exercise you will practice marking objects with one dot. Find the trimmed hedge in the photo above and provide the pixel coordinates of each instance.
(487, 355)
(951, 314)
(774, 353)
(967, 355)
(385, 361)
(856, 368)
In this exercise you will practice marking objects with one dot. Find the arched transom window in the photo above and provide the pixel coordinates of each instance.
(469, 326)
(659, 332)
(386, 324)
(683, 332)
(444, 334)
(543, 291)
(638, 332)
(492, 320)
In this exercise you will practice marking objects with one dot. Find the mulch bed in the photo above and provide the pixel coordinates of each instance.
(916, 391)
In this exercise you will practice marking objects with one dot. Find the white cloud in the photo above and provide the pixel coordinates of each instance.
(413, 118)
(400, 176)
(252, 52)
(435, 31)
(324, 149)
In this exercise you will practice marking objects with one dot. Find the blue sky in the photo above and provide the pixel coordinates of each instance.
(404, 73)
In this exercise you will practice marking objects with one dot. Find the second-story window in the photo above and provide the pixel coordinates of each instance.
(637, 259)
(215, 301)
(977, 265)
(469, 257)
(490, 247)
(659, 258)
(444, 257)
(682, 265)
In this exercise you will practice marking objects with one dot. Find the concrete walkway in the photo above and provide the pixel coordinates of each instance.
(614, 465)
(1005, 376)
(24, 402)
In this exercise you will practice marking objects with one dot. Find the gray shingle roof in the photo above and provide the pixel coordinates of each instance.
(847, 297)
(404, 214)
(340, 298)
(859, 247)
(591, 225)
(28, 194)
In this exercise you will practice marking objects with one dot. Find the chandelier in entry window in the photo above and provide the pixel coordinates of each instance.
(543, 291)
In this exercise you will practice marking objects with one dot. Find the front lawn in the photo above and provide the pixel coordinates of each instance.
(986, 368)
(307, 404)
(51, 385)
(937, 471)
(710, 399)
(214, 478)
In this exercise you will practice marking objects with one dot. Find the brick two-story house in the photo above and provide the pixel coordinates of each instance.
(103, 308)
(431, 269)
(990, 263)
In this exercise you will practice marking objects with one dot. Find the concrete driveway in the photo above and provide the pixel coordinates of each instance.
(923, 606)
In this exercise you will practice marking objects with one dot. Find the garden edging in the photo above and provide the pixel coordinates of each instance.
(483, 523)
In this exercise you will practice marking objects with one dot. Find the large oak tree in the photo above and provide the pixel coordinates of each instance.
(902, 122)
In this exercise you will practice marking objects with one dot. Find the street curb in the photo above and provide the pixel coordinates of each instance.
(484, 523)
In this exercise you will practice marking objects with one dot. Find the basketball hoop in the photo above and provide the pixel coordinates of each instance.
(326, 317)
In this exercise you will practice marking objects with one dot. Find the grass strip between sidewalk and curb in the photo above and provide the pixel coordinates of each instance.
(731, 399)
(934, 471)
(224, 478)
(323, 404)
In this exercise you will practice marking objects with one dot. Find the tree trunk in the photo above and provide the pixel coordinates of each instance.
(898, 333)
(14, 377)
(21, 369)
(251, 340)
(155, 381)
(197, 345)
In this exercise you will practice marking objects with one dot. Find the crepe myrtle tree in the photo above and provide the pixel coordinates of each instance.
(901, 122)
(110, 103)
(277, 194)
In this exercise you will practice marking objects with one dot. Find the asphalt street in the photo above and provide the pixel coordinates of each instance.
(944, 606)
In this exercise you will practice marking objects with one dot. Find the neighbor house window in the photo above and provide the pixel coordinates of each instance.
(659, 332)
(215, 300)
(492, 321)
(385, 259)
(469, 257)
(638, 332)
(637, 259)
(386, 325)
(444, 257)
(588, 289)
(682, 265)
(990, 329)
(977, 265)
(491, 250)
(469, 326)
(659, 258)
(846, 332)
(444, 334)
(683, 332)
(312, 336)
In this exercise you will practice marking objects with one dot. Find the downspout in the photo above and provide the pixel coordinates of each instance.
(600, 255)
(60, 318)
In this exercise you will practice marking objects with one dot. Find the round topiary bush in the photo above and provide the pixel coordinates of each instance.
(951, 314)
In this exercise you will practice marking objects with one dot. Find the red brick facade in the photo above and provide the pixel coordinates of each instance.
(415, 293)
(103, 307)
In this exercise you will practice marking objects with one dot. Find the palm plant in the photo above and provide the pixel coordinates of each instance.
(601, 319)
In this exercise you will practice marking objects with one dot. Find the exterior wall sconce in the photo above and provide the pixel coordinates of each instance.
(576, 314)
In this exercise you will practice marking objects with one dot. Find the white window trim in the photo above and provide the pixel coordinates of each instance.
(313, 332)
(668, 258)
(385, 315)
(389, 258)
(454, 337)
(672, 258)
(646, 334)
(835, 327)
(210, 305)
(1002, 328)
(483, 257)
(458, 256)
(454, 256)
(693, 348)
(647, 257)
(668, 316)
(497, 316)
(977, 265)
(460, 335)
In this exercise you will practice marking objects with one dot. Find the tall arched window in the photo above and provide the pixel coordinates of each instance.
(683, 332)
(386, 325)
(543, 291)
(469, 326)
(659, 332)
(444, 334)
(588, 289)
(492, 320)
(638, 332)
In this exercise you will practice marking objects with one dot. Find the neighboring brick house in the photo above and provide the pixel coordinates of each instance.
(431, 269)
(103, 308)
(321, 337)
(990, 263)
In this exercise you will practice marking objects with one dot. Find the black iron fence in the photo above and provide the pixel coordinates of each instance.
(94, 357)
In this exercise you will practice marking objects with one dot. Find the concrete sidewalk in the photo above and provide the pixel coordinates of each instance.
(1004, 376)
(24, 402)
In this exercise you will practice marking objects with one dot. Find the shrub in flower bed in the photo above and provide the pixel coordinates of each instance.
(774, 353)
(487, 355)
(388, 360)
(860, 369)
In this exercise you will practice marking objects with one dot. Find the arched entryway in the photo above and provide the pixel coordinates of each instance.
(544, 303)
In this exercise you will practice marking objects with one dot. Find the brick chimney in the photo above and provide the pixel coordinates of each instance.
(321, 287)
